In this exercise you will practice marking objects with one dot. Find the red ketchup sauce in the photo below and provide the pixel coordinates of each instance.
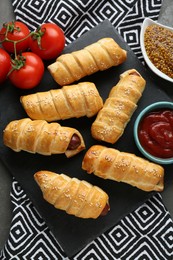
(155, 133)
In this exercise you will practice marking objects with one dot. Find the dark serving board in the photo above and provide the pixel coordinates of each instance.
(73, 233)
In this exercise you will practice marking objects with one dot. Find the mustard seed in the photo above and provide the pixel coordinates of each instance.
(159, 47)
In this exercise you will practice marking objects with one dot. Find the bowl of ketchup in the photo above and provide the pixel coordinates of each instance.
(153, 132)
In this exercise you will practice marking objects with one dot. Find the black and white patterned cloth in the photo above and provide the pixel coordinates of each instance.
(146, 233)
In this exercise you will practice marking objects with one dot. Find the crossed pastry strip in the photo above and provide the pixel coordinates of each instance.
(76, 197)
(79, 198)
(110, 163)
(99, 56)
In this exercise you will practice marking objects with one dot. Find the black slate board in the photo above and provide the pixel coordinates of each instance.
(74, 233)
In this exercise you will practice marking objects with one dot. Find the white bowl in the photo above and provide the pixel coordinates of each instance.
(145, 24)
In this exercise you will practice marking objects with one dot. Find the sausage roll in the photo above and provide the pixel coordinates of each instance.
(77, 100)
(109, 163)
(38, 136)
(118, 108)
(100, 55)
(78, 198)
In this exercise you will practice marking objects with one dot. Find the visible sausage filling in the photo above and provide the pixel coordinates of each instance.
(105, 210)
(74, 142)
(134, 73)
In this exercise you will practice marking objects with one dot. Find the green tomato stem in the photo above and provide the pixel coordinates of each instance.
(19, 61)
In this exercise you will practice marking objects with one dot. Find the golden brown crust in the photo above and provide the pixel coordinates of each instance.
(118, 108)
(38, 136)
(78, 198)
(100, 55)
(109, 163)
(78, 100)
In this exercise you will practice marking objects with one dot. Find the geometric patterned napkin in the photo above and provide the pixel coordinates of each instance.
(147, 232)
(144, 234)
(76, 17)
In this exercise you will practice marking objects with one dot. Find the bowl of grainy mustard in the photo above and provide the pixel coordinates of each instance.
(157, 48)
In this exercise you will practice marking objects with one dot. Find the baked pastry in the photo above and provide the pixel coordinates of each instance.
(77, 100)
(100, 55)
(118, 108)
(109, 163)
(78, 198)
(38, 136)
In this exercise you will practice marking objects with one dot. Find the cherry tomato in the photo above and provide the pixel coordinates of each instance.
(48, 42)
(30, 73)
(5, 64)
(15, 31)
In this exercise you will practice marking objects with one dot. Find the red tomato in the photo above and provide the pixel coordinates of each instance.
(5, 64)
(30, 74)
(15, 32)
(52, 41)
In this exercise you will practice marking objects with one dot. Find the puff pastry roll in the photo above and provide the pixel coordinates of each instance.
(38, 136)
(98, 56)
(78, 198)
(77, 100)
(118, 108)
(109, 163)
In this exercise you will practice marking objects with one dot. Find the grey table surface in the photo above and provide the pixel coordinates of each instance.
(6, 14)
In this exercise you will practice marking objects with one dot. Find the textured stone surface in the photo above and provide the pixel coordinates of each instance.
(6, 14)
(166, 16)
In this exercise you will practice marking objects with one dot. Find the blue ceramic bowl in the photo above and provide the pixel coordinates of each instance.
(144, 112)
